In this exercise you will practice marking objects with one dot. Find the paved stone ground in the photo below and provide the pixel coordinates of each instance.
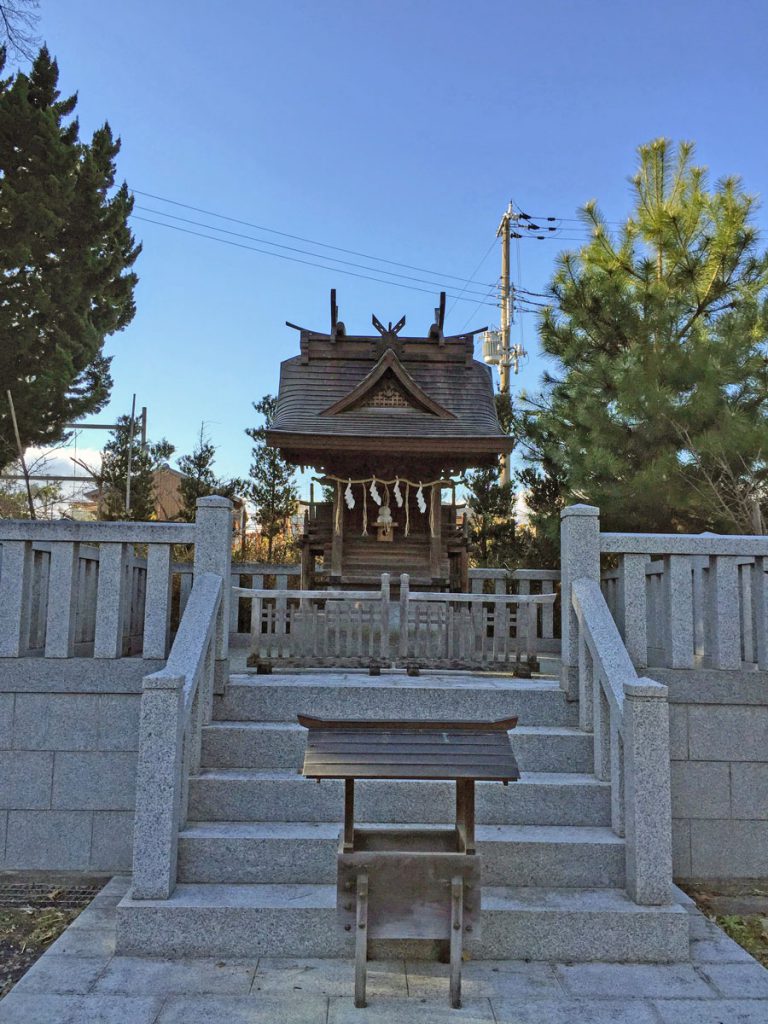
(80, 981)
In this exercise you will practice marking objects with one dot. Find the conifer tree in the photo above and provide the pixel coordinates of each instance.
(272, 487)
(658, 409)
(114, 474)
(491, 524)
(199, 479)
(66, 253)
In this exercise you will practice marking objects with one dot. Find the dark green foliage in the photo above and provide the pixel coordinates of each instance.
(658, 409)
(65, 258)
(272, 488)
(491, 518)
(199, 479)
(114, 474)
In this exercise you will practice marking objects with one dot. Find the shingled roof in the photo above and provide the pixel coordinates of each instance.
(350, 392)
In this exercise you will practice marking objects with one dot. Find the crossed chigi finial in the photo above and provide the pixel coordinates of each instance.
(390, 329)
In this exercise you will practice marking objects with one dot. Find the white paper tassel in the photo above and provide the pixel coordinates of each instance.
(375, 492)
(397, 494)
(349, 496)
(420, 500)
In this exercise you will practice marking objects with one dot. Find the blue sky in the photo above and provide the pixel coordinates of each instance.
(397, 129)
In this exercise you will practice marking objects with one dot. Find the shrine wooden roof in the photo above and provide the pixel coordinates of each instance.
(353, 392)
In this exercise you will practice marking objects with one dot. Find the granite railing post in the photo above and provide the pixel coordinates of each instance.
(647, 804)
(213, 553)
(580, 559)
(158, 787)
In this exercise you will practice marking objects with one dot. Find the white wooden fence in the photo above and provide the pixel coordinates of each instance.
(474, 630)
(438, 630)
(320, 627)
(524, 582)
(690, 601)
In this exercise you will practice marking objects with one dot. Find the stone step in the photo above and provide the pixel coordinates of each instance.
(539, 798)
(279, 698)
(281, 745)
(278, 852)
(300, 920)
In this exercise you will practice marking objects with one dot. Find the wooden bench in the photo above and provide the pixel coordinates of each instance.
(399, 882)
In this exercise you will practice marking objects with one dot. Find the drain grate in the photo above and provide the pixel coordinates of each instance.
(42, 895)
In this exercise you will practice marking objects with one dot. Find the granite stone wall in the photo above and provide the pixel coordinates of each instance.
(719, 752)
(68, 749)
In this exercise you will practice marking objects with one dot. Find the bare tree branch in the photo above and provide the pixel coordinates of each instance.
(18, 24)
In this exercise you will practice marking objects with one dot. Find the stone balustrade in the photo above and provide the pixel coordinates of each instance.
(629, 721)
(686, 602)
(79, 589)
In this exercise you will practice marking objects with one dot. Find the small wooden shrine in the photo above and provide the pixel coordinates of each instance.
(388, 423)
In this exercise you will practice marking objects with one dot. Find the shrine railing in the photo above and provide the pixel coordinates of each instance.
(338, 628)
(333, 628)
(469, 630)
(697, 601)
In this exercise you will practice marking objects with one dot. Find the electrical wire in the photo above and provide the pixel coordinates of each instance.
(477, 268)
(297, 238)
(292, 248)
(480, 303)
(308, 263)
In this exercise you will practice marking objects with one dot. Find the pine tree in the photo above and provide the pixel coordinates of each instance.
(658, 410)
(114, 474)
(491, 518)
(491, 504)
(200, 480)
(272, 488)
(65, 256)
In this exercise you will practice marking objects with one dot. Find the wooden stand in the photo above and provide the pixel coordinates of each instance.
(409, 883)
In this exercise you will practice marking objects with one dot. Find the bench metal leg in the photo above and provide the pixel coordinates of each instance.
(361, 939)
(457, 934)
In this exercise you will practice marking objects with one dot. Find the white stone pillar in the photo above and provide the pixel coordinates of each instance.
(158, 787)
(647, 800)
(580, 559)
(213, 553)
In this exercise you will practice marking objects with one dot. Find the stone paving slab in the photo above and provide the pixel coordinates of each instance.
(80, 981)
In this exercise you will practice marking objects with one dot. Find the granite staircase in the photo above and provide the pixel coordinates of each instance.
(257, 856)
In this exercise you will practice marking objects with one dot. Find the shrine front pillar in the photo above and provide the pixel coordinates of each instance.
(436, 533)
(337, 542)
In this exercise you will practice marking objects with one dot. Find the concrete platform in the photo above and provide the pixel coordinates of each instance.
(81, 981)
(295, 919)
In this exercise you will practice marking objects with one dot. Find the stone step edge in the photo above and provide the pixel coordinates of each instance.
(309, 896)
(225, 725)
(281, 774)
(539, 684)
(544, 835)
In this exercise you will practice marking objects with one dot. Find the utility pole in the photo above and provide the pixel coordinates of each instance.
(506, 302)
(131, 431)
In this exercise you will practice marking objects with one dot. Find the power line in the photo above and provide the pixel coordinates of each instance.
(297, 238)
(477, 268)
(480, 303)
(291, 248)
(308, 263)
